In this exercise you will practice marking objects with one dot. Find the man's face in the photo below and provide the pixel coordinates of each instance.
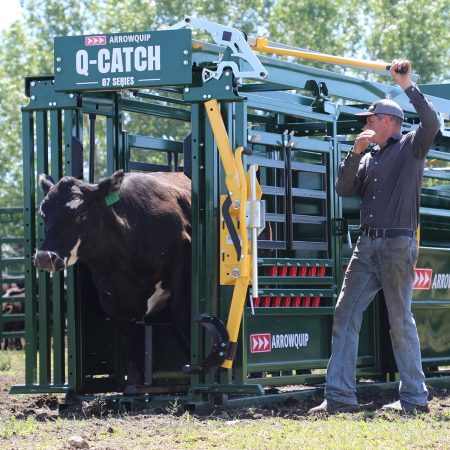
(379, 126)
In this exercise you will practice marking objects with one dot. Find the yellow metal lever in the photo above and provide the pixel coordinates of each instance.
(238, 268)
(264, 45)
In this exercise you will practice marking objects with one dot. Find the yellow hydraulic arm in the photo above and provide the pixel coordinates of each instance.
(262, 44)
(236, 257)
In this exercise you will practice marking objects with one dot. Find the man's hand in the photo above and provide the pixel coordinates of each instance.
(403, 79)
(362, 141)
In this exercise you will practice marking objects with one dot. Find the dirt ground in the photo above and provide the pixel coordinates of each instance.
(45, 406)
(93, 420)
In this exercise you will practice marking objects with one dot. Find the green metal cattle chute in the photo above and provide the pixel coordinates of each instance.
(136, 101)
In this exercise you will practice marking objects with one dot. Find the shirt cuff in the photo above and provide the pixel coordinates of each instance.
(412, 91)
(352, 157)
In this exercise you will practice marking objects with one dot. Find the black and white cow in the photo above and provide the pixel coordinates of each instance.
(133, 231)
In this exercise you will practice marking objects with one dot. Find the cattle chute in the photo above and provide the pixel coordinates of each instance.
(298, 122)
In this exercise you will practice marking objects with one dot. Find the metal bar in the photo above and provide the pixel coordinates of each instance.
(254, 232)
(156, 110)
(198, 241)
(148, 142)
(30, 245)
(297, 142)
(58, 315)
(11, 210)
(146, 167)
(260, 102)
(74, 368)
(296, 192)
(266, 46)
(110, 159)
(91, 175)
(279, 164)
(44, 278)
(300, 280)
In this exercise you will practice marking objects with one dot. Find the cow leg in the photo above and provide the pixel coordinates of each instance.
(133, 336)
(158, 300)
(180, 286)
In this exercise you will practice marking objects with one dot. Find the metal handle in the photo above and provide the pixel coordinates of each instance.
(402, 70)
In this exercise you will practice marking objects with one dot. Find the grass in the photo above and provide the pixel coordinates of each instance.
(12, 364)
(16, 427)
(161, 432)
(5, 362)
(245, 429)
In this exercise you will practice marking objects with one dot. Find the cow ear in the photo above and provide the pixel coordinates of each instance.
(45, 182)
(111, 184)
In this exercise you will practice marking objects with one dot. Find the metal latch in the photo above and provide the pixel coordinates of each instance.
(235, 41)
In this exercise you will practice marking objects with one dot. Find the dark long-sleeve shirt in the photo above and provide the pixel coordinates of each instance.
(389, 179)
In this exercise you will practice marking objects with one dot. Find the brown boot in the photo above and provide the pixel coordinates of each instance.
(334, 407)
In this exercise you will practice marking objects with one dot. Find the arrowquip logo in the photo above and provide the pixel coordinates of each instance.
(422, 278)
(260, 343)
(266, 342)
(441, 281)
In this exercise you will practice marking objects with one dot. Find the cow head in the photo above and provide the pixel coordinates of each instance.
(65, 211)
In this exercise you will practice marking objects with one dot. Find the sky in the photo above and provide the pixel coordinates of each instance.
(10, 14)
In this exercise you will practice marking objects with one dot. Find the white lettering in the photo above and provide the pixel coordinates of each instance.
(123, 81)
(82, 62)
(139, 59)
(154, 60)
(127, 51)
(120, 59)
(441, 281)
(445, 281)
(103, 61)
(294, 340)
(116, 60)
(129, 38)
(433, 286)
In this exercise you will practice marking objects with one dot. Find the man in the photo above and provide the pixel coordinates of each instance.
(388, 180)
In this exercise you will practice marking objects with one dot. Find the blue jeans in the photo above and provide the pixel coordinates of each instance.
(377, 263)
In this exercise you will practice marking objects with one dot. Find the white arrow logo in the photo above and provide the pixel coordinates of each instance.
(260, 343)
(422, 278)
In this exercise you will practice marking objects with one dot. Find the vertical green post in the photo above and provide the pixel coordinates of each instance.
(211, 243)
(44, 277)
(197, 291)
(238, 122)
(58, 317)
(30, 244)
(74, 359)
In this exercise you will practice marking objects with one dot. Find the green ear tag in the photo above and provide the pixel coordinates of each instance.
(112, 198)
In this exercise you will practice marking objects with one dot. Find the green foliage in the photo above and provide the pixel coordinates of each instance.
(324, 26)
(419, 31)
(379, 29)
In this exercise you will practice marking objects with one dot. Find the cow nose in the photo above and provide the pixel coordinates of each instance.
(48, 261)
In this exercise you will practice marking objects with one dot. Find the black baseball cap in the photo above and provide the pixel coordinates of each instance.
(383, 106)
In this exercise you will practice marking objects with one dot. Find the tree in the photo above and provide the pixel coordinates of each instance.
(321, 25)
(419, 31)
(26, 50)
(379, 29)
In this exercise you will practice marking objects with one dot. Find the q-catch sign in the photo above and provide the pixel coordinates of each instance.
(123, 61)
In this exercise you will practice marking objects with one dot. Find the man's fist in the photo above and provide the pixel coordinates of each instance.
(363, 140)
(401, 71)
